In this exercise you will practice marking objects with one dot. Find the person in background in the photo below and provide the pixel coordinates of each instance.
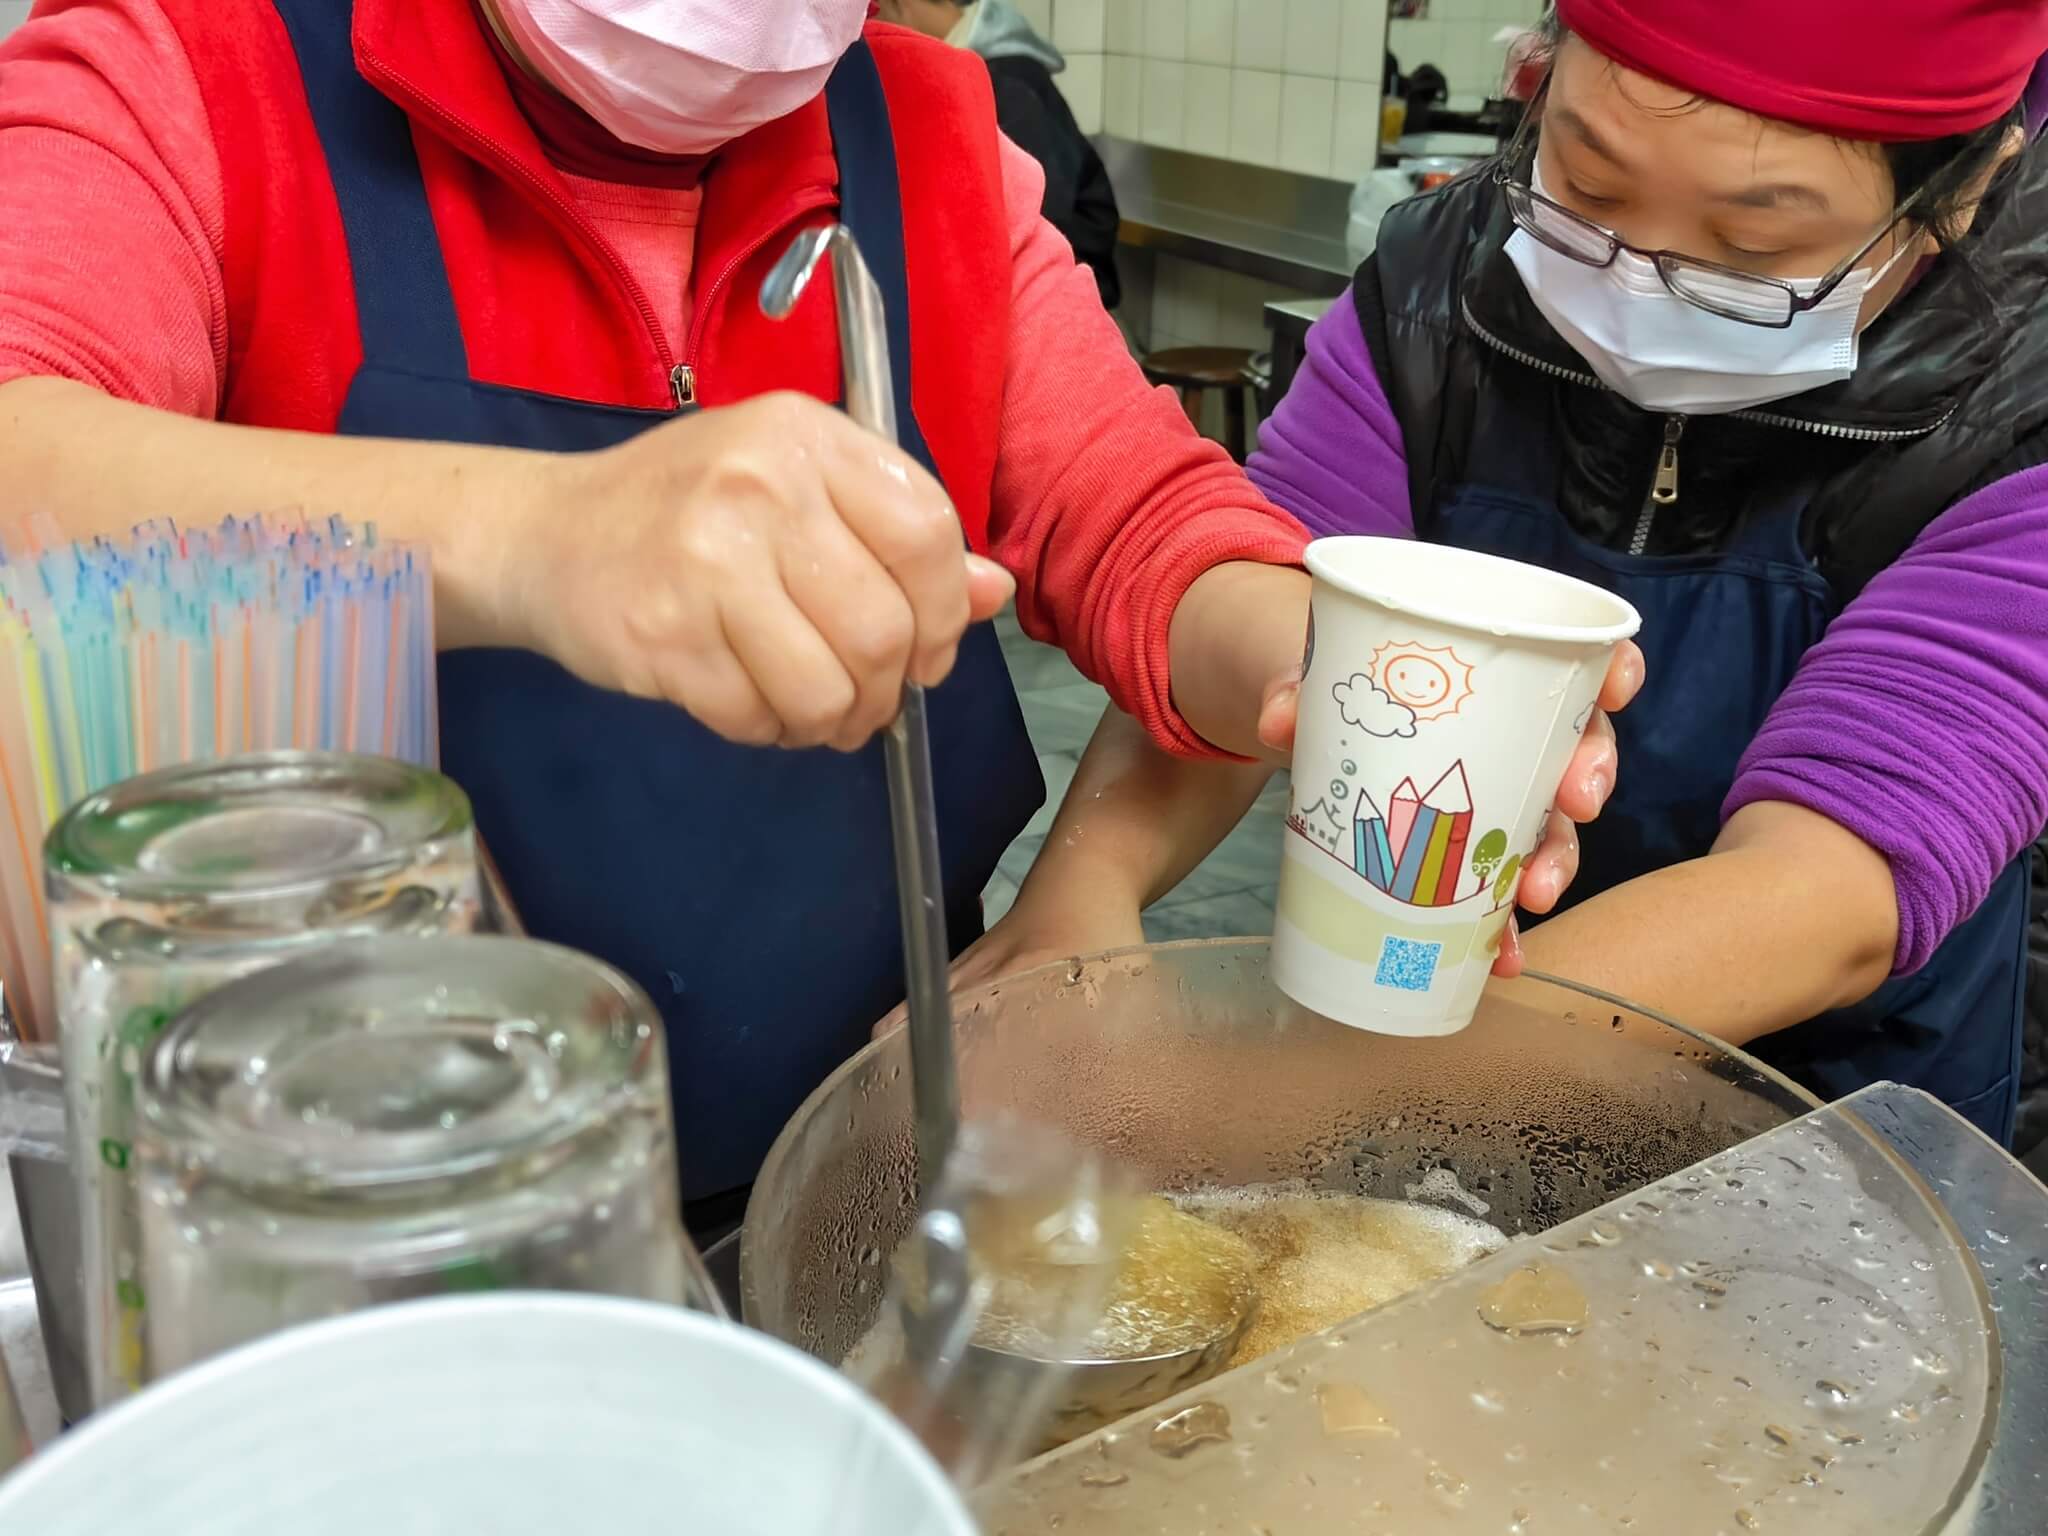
(1033, 113)
(486, 273)
(1750, 325)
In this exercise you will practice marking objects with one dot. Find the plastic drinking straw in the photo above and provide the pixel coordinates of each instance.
(304, 644)
(67, 736)
(141, 679)
(41, 734)
(426, 676)
(123, 655)
(28, 936)
(20, 865)
(352, 720)
(245, 626)
(182, 745)
(395, 671)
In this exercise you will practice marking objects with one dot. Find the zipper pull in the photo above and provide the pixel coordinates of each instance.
(682, 383)
(1664, 490)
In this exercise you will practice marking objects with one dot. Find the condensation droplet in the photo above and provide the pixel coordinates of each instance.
(1535, 1299)
(1192, 1428)
(1446, 1482)
(1348, 1411)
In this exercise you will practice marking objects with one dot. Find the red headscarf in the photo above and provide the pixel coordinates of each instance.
(1889, 70)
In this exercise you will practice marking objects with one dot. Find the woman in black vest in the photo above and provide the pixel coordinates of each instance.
(1750, 324)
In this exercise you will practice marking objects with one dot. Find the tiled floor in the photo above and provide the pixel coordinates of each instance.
(1231, 893)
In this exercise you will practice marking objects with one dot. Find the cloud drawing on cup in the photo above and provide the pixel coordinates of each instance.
(1363, 704)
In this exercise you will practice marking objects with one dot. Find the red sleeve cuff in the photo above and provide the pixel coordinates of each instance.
(1142, 662)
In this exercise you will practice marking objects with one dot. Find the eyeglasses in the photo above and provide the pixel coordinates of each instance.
(1725, 291)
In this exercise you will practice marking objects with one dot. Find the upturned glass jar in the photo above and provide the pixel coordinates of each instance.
(404, 1118)
(170, 885)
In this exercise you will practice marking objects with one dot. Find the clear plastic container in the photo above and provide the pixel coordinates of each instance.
(1789, 1336)
(170, 885)
(405, 1118)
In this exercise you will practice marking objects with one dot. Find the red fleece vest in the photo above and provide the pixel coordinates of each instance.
(545, 306)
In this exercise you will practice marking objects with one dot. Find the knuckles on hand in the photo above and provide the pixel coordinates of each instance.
(663, 555)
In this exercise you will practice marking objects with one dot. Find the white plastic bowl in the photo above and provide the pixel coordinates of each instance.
(497, 1415)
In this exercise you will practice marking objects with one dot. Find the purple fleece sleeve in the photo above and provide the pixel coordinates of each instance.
(1331, 454)
(1920, 722)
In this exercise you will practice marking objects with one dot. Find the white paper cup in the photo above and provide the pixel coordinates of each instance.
(1443, 694)
(501, 1415)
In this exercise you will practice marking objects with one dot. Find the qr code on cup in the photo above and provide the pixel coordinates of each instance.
(1407, 965)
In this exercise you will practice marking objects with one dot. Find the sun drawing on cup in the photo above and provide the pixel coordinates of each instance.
(1428, 679)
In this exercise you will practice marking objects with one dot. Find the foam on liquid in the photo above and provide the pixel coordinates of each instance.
(1182, 1283)
(1313, 1258)
(1323, 1257)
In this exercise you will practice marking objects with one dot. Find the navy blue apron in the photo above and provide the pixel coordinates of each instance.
(750, 891)
(1722, 635)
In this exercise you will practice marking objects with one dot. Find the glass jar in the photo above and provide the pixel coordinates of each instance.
(167, 886)
(404, 1118)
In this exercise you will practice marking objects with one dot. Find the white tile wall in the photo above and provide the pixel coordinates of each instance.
(1194, 305)
(1077, 25)
(1162, 115)
(1261, 36)
(1166, 28)
(1123, 91)
(1362, 43)
(1312, 30)
(1255, 116)
(1208, 120)
(1354, 148)
(1275, 82)
(1293, 83)
(1081, 83)
(1458, 37)
(1212, 31)
(1038, 13)
(1127, 27)
(1308, 115)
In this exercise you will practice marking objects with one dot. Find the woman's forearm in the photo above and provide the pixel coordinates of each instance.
(1136, 821)
(1237, 632)
(98, 465)
(1788, 917)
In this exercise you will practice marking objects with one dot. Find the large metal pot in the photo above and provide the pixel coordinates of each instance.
(1185, 1061)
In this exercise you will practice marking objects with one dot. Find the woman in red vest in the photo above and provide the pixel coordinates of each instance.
(485, 271)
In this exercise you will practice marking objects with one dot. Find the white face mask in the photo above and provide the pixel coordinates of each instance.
(1648, 344)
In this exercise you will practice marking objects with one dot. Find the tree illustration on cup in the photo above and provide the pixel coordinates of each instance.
(1490, 861)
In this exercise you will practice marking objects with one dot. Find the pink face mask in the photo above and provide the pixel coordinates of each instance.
(683, 77)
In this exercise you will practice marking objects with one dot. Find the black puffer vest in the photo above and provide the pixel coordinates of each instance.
(1950, 394)
(1950, 391)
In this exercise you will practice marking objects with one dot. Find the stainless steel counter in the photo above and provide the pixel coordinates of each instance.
(1270, 224)
(1289, 322)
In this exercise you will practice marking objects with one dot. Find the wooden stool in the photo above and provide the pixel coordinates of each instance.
(1196, 370)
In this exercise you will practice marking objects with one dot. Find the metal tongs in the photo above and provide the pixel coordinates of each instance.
(914, 818)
